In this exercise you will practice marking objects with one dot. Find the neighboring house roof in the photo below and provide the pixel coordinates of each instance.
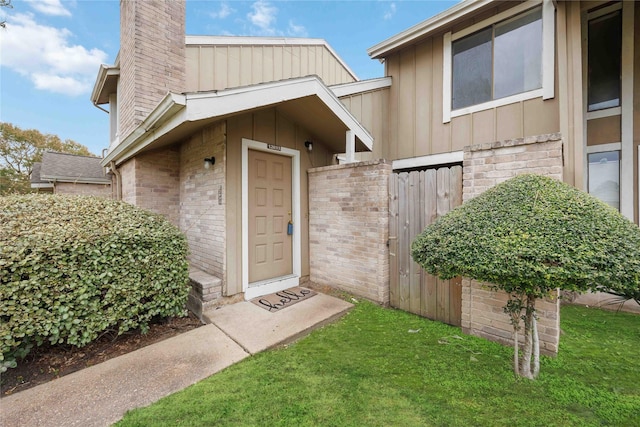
(306, 100)
(63, 167)
(36, 181)
(427, 28)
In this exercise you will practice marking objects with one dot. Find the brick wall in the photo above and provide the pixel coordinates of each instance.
(152, 181)
(202, 201)
(349, 228)
(152, 57)
(484, 166)
(128, 181)
(100, 190)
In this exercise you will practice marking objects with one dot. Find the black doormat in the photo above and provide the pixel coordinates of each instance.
(280, 300)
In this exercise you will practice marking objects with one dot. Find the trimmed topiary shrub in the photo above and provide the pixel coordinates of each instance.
(72, 267)
(529, 236)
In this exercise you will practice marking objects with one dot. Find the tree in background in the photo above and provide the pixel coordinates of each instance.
(529, 236)
(5, 3)
(20, 149)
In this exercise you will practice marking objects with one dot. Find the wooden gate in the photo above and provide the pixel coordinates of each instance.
(416, 199)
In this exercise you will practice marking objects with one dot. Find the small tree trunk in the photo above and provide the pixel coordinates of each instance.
(536, 347)
(516, 356)
(525, 367)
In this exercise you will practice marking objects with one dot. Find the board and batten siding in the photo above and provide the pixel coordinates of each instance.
(416, 125)
(371, 110)
(217, 67)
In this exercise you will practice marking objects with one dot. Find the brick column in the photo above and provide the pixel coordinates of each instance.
(349, 228)
(484, 166)
(152, 57)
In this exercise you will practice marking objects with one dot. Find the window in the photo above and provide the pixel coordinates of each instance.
(501, 60)
(507, 58)
(604, 61)
(604, 176)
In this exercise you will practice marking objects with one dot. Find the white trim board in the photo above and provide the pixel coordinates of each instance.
(347, 89)
(626, 101)
(430, 160)
(252, 290)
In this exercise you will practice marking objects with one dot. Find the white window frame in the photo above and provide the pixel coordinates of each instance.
(548, 60)
(625, 110)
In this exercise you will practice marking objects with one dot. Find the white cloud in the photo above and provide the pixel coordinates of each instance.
(296, 30)
(224, 11)
(49, 7)
(390, 12)
(47, 57)
(263, 17)
(58, 84)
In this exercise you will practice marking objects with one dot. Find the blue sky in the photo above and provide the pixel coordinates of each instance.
(51, 49)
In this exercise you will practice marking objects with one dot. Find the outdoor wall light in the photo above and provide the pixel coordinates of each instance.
(309, 145)
(209, 161)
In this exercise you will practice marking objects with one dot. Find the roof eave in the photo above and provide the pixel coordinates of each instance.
(78, 180)
(175, 110)
(41, 185)
(107, 77)
(170, 105)
(425, 28)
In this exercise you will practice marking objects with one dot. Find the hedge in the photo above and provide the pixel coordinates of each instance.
(72, 267)
(535, 232)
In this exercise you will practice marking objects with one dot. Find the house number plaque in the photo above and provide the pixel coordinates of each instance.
(274, 147)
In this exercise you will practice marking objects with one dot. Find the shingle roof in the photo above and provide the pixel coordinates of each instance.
(35, 174)
(71, 168)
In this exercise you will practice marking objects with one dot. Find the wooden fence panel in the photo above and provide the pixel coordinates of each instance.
(415, 272)
(394, 296)
(404, 239)
(430, 215)
(416, 200)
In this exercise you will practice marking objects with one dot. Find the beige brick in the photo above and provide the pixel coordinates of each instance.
(348, 228)
(79, 189)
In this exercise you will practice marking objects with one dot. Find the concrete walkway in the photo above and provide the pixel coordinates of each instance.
(101, 394)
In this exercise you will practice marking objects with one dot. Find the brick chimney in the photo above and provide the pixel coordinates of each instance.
(152, 57)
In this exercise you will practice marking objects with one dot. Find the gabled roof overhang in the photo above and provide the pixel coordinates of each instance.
(75, 179)
(424, 29)
(106, 84)
(306, 100)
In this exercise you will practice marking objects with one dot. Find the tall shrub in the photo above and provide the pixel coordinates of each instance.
(529, 236)
(72, 267)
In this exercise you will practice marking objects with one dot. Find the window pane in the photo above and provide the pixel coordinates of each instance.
(604, 177)
(604, 53)
(518, 55)
(472, 69)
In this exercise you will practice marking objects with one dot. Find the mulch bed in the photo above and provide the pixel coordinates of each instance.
(48, 362)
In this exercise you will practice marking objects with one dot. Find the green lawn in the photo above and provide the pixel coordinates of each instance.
(384, 367)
